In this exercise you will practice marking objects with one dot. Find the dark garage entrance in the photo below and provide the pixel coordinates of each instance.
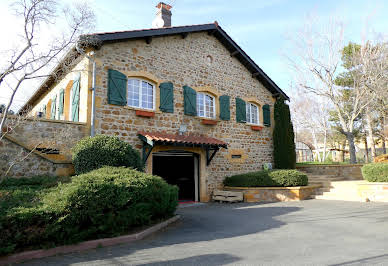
(178, 168)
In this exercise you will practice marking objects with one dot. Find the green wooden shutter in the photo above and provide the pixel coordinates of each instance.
(266, 116)
(225, 107)
(166, 97)
(75, 100)
(190, 101)
(53, 107)
(117, 88)
(61, 102)
(241, 116)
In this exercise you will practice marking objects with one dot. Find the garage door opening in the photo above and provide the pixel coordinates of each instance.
(178, 168)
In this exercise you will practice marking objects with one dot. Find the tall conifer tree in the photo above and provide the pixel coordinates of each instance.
(283, 136)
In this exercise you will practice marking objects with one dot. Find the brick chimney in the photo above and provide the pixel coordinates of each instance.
(163, 16)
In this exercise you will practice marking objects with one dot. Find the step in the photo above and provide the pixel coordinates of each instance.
(336, 197)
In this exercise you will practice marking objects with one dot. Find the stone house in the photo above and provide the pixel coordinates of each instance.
(196, 106)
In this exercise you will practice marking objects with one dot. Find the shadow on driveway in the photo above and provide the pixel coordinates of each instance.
(208, 222)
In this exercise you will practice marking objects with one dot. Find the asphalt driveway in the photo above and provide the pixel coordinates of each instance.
(313, 232)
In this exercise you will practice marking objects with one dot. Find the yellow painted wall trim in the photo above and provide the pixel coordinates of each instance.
(208, 89)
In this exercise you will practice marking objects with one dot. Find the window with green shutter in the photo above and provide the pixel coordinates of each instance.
(75, 100)
(53, 108)
(190, 101)
(44, 110)
(266, 116)
(166, 97)
(240, 111)
(224, 107)
(61, 102)
(117, 87)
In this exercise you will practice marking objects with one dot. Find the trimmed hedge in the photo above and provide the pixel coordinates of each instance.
(375, 172)
(102, 203)
(275, 178)
(94, 152)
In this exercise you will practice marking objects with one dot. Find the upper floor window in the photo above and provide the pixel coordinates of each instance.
(252, 113)
(206, 105)
(141, 94)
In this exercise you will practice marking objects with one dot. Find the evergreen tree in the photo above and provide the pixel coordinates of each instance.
(283, 137)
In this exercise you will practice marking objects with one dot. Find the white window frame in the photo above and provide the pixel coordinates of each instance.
(204, 94)
(249, 118)
(141, 94)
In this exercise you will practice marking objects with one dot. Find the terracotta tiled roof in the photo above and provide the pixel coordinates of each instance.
(182, 139)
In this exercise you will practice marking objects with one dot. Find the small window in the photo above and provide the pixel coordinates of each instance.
(205, 105)
(252, 113)
(141, 94)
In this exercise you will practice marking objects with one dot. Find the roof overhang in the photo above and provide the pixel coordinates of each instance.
(212, 29)
(147, 34)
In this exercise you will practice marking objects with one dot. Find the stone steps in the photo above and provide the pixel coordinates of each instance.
(341, 190)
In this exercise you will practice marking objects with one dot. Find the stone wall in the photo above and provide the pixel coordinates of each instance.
(349, 171)
(30, 134)
(201, 62)
(273, 194)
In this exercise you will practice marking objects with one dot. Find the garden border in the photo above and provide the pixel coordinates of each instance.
(86, 245)
(275, 194)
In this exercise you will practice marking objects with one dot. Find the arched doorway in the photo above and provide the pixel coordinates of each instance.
(179, 168)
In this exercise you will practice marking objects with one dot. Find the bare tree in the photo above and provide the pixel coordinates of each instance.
(31, 59)
(312, 116)
(316, 61)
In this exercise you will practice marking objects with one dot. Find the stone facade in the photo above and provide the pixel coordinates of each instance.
(200, 61)
(203, 63)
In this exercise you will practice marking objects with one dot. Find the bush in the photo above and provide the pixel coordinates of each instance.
(283, 137)
(276, 178)
(94, 152)
(375, 172)
(102, 203)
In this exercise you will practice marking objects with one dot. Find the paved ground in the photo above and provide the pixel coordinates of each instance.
(313, 232)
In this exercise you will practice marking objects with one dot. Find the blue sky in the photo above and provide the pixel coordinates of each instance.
(261, 28)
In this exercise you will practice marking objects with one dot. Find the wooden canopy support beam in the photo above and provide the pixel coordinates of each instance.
(148, 39)
(209, 157)
(147, 149)
(234, 53)
(148, 145)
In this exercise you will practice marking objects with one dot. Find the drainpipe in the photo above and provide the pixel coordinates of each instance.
(93, 89)
(92, 125)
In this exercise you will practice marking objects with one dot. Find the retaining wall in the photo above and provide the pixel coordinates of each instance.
(271, 194)
(18, 147)
(349, 171)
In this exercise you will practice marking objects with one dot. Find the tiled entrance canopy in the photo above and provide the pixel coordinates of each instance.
(181, 140)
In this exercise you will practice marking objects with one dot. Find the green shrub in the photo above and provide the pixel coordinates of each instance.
(283, 136)
(375, 172)
(289, 178)
(276, 178)
(102, 203)
(94, 152)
